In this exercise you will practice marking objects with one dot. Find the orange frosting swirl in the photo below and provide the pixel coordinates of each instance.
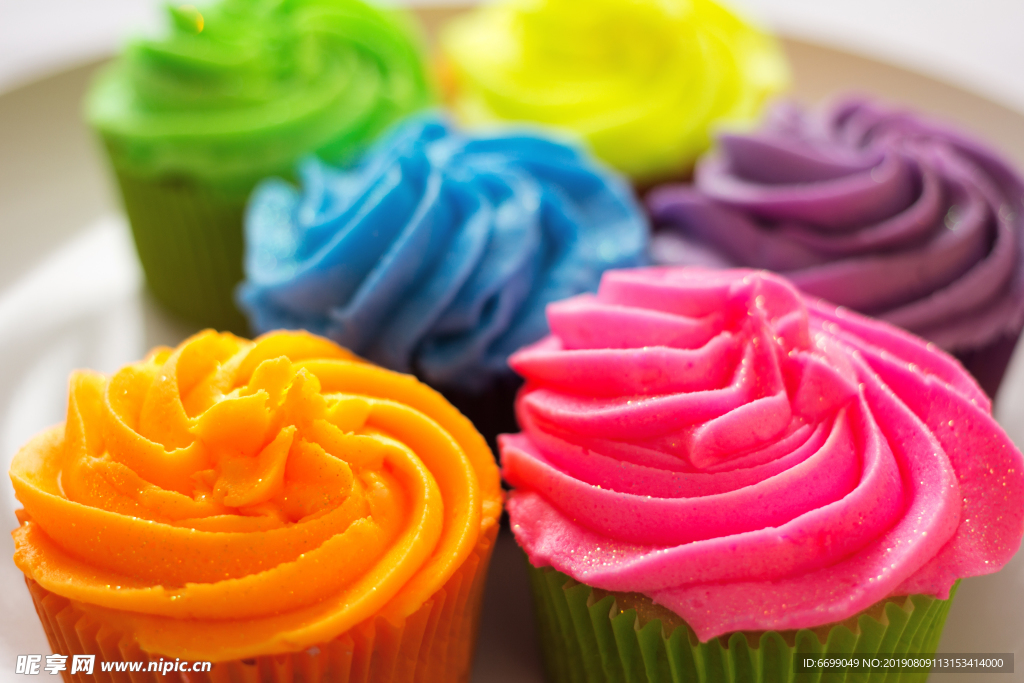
(227, 498)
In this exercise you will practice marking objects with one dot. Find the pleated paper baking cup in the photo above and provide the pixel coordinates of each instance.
(435, 643)
(189, 240)
(591, 636)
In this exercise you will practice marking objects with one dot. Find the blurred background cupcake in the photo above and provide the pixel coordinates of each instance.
(870, 207)
(191, 120)
(716, 473)
(438, 252)
(643, 82)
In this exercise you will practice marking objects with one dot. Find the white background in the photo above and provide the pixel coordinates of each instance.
(976, 44)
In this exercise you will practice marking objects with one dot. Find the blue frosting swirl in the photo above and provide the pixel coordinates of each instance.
(438, 253)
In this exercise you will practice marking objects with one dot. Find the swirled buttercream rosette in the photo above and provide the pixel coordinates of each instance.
(643, 81)
(872, 208)
(751, 459)
(271, 506)
(439, 252)
(193, 118)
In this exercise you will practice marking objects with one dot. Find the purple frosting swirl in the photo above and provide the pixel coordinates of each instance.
(869, 207)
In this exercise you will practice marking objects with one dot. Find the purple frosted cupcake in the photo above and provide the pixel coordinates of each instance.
(869, 207)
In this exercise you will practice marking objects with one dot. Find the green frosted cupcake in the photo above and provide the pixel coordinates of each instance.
(231, 94)
(721, 480)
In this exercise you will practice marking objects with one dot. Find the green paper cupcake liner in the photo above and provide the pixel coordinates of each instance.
(588, 637)
(189, 240)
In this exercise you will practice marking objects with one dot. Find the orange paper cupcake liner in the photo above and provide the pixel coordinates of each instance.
(434, 643)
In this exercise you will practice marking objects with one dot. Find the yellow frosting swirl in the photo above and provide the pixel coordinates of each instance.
(641, 80)
(227, 498)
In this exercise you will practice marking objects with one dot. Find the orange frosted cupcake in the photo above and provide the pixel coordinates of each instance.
(280, 508)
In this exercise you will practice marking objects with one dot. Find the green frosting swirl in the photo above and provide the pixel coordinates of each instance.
(240, 90)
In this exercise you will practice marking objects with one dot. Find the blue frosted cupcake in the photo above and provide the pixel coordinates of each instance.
(438, 253)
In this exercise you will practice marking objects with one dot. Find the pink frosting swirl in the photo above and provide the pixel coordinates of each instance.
(752, 458)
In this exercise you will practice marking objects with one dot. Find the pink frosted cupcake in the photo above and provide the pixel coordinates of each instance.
(717, 473)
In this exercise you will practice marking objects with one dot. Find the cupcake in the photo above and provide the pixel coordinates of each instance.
(872, 208)
(642, 81)
(193, 119)
(438, 252)
(716, 473)
(280, 508)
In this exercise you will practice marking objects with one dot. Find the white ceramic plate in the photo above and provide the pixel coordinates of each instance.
(72, 295)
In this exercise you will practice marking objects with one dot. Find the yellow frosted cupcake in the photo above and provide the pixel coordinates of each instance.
(280, 508)
(643, 81)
